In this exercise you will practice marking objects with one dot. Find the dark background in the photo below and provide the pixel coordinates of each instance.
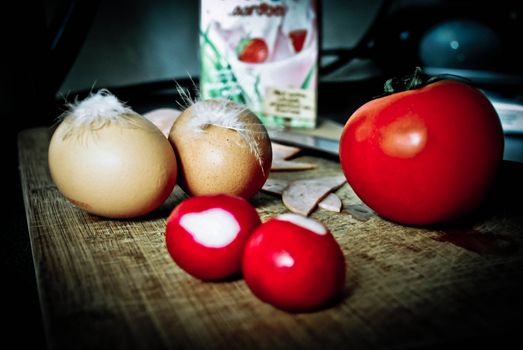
(139, 49)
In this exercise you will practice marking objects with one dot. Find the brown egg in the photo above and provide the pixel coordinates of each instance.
(117, 167)
(222, 147)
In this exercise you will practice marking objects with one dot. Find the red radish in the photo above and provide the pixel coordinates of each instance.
(206, 235)
(294, 263)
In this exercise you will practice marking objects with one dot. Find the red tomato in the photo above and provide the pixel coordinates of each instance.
(423, 156)
(206, 235)
(253, 50)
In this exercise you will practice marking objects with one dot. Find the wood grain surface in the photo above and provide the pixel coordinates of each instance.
(111, 284)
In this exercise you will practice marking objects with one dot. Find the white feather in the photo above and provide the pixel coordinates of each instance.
(222, 113)
(96, 111)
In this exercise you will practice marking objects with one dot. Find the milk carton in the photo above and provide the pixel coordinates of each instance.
(264, 54)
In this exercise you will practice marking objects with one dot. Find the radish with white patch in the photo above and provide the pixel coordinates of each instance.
(294, 263)
(206, 235)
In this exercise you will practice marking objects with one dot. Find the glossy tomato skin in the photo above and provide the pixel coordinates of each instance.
(423, 156)
(210, 262)
(293, 268)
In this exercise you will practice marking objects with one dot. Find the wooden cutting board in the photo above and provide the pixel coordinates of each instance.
(111, 283)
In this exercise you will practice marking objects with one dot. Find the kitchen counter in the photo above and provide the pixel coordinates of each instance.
(111, 283)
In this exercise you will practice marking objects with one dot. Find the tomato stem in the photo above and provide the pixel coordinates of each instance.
(408, 82)
(416, 80)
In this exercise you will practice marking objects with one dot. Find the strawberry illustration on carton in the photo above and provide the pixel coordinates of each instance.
(263, 54)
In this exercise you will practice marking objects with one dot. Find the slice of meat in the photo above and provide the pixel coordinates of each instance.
(334, 182)
(283, 152)
(302, 196)
(163, 118)
(331, 202)
(359, 212)
(288, 165)
(275, 186)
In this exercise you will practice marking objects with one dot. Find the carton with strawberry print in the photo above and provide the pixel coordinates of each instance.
(262, 53)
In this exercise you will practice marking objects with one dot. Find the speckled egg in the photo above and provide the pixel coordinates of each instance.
(222, 147)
